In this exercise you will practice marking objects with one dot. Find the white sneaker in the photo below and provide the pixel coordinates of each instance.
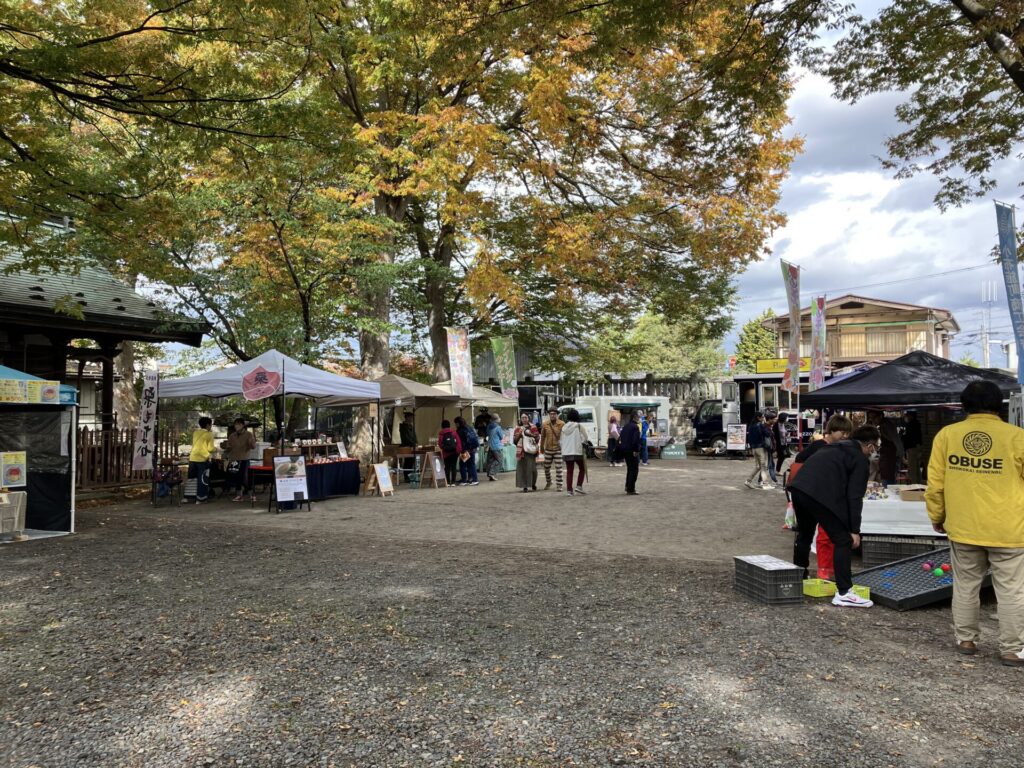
(749, 485)
(851, 600)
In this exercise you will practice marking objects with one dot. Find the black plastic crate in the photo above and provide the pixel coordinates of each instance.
(879, 550)
(905, 584)
(769, 580)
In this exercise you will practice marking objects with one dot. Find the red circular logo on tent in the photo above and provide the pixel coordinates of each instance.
(260, 383)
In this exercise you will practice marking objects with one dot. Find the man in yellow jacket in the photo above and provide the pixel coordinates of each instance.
(199, 459)
(976, 497)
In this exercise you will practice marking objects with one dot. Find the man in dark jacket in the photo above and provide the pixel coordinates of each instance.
(829, 491)
(629, 444)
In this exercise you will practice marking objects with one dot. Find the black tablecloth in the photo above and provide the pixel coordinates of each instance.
(337, 478)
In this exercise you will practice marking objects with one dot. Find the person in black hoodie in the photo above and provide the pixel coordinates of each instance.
(829, 491)
(629, 444)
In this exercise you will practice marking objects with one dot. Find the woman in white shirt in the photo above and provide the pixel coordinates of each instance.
(571, 444)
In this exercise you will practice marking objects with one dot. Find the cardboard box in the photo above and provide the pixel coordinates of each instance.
(912, 493)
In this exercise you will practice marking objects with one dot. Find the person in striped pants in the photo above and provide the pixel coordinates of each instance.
(550, 434)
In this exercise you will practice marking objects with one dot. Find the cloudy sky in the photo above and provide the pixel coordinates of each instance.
(852, 226)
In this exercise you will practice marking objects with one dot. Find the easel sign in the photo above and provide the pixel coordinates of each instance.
(378, 480)
(736, 437)
(13, 469)
(433, 471)
(342, 450)
(290, 478)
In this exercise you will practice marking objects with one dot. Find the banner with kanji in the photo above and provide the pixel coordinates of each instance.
(505, 362)
(1011, 277)
(818, 348)
(145, 433)
(460, 361)
(791, 277)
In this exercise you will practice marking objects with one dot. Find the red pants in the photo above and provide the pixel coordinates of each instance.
(826, 570)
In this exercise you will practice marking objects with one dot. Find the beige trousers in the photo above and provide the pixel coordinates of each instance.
(970, 563)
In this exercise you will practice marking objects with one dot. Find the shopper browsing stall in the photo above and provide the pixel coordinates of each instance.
(239, 445)
(450, 444)
(829, 491)
(467, 459)
(199, 459)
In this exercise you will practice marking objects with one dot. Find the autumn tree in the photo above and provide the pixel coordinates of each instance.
(561, 155)
(756, 342)
(961, 64)
(89, 87)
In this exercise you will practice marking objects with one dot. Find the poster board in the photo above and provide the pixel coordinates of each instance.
(30, 391)
(342, 450)
(378, 480)
(432, 471)
(290, 478)
(13, 469)
(736, 437)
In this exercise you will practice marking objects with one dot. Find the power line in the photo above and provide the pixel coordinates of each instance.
(876, 285)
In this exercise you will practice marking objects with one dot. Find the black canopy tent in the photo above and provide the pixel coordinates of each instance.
(917, 379)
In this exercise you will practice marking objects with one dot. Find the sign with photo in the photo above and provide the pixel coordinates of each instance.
(35, 392)
(290, 478)
(460, 362)
(13, 469)
(736, 437)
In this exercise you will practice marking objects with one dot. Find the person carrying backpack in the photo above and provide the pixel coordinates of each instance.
(467, 459)
(451, 446)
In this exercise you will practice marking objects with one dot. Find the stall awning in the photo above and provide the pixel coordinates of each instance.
(298, 380)
(396, 390)
(482, 397)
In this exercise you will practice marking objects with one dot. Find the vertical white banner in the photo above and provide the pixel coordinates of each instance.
(818, 346)
(460, 362)
(791, 277)
(145, 433)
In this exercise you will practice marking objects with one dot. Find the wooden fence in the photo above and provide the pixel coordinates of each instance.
(104, 459)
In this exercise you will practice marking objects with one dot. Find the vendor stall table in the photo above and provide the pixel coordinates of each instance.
(324, 481)
(895, 517)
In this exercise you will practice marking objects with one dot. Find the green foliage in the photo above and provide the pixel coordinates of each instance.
(967, 359)
(755, 342)
(962, 65)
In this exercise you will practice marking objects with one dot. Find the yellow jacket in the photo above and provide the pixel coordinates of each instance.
(976, 482)
(202, 445)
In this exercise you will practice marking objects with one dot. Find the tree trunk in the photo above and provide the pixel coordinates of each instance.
(436, 284)
(126, 402)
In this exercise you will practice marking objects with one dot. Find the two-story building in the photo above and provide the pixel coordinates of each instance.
(861, 330)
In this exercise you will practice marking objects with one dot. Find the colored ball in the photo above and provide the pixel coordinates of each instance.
(939, 572)
(947, 567)
(926, 566)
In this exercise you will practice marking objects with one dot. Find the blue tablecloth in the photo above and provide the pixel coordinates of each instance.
(336, 478)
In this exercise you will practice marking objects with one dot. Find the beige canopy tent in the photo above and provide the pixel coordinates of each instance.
(429, 417)
(396, 390)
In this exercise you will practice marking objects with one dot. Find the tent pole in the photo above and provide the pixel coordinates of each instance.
(284, 413)
(74, 460)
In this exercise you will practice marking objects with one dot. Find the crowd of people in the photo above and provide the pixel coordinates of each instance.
(560, 446)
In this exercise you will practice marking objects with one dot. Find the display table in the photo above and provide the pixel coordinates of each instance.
(892, 516)
(335, 478)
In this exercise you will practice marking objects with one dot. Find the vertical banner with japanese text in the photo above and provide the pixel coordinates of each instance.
(460, 361)
(145, 433)
(505, 362)
(1011, 276)
(818, 347)
(791, 277)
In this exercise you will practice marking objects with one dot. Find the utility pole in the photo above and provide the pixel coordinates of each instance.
(988, 298)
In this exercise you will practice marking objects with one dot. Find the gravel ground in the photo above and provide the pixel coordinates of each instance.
(146, 641)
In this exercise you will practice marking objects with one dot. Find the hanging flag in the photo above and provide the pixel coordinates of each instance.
(791, 277)
(460, 361)
(818, 350)
(1011, 276)
(259, 383)
(145, 433)
(505, 362)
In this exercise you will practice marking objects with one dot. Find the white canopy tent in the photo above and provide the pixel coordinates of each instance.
(297, 380)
